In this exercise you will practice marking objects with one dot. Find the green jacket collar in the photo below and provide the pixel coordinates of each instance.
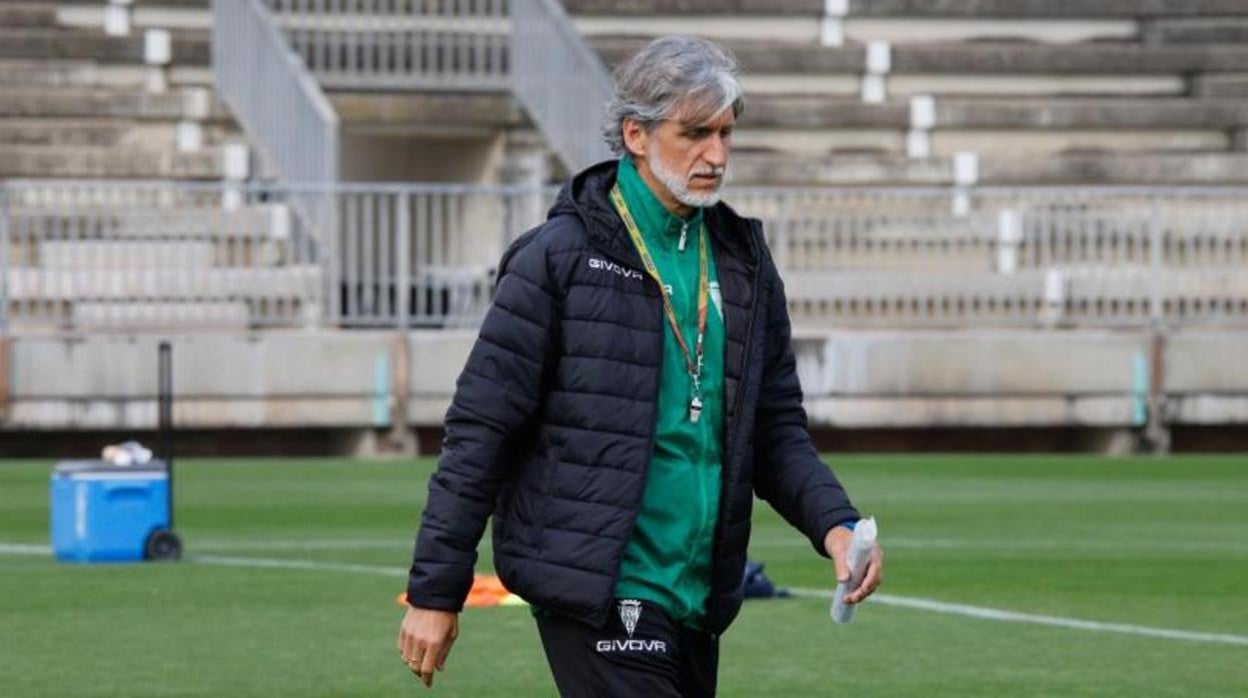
(655, 221)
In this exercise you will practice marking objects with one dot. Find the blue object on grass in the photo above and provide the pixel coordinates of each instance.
(106, 513)
(756, 585)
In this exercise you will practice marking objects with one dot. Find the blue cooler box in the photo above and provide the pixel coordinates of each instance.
(105, 513)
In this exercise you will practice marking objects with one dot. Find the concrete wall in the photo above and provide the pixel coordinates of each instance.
(1206, 375)
(370, 157)
(221, 381)
(379, 382)
(986, 378)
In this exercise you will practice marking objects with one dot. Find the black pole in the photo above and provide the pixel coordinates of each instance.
(165, 416)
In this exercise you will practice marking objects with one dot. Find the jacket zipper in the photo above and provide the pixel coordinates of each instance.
(713, 610)
(654, 416)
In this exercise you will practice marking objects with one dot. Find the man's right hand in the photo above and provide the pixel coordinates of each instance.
(425, 638)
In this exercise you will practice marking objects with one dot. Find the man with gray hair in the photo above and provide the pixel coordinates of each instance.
(632, 388)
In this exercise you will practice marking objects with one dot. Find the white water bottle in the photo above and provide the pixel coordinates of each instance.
(860, 548)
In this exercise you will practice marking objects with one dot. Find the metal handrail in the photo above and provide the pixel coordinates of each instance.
(274, 96)
(280, 106)
(4, 259)
(96, 255)
(560, 80)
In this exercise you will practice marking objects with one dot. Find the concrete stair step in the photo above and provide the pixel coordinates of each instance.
(1091, 112)
(88, 74)
(875, 299)
(817, 112)
(429, 111)
(1135, 169)
(1079, 59)
(946, 143)
(189, 4)
(1065, 85)
(948, 248)
(1216, 30)
(749, 8)
(794, 28)
(18, 14)
(958, 9)
(754, 56)
(67, 132)
(29, 285)
(971, 85)
(87, 252)
(847, 284)
(1073, 141)
(1027, 9)
(200, 218)
(1224, 85)
(909, 29)
(217, 315)
(959, 58)
(94, 102)
(1073, 169)
(90, 162)
(100, 255)
(189, 47)
(159, 15)
(782, 169)
(104, 132)
(807, 26)
(1091, 281)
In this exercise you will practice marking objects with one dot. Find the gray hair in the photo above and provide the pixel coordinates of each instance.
(672, 72)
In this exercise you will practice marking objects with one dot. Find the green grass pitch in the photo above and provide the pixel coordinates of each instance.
(1150, 542)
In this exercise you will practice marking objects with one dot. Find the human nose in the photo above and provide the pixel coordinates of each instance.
(716, 153)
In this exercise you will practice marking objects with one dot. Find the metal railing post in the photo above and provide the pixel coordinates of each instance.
(114, 256)
(1156, 260)
(384, 46)
(5, 267)
(403, 268)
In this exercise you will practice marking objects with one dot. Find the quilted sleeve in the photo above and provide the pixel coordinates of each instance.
(496, 394)
(788, 474)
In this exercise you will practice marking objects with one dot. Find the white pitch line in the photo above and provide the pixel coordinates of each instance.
(248, 562)
(283, 564)
(24, 549)
(981, 612)
(228, 546)
(997, 614)
(1027, 545)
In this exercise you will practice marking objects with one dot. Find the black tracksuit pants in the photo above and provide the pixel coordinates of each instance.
(656, 658)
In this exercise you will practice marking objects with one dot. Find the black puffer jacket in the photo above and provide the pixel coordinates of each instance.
(552, 423)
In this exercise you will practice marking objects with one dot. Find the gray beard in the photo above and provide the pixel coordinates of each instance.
(679, 186)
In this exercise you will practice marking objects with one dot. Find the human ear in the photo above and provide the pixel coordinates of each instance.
(636, 138)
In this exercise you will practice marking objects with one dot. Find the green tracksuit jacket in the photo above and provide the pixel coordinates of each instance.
(668, 559)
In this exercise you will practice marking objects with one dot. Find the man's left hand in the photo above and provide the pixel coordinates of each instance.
(836, 543)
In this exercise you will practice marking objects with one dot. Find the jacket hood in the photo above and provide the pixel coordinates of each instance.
(586, 195)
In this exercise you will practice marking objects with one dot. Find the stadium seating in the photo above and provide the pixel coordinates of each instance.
(75, 101)
(977, 95)
(1041, 92)
(94, 125)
